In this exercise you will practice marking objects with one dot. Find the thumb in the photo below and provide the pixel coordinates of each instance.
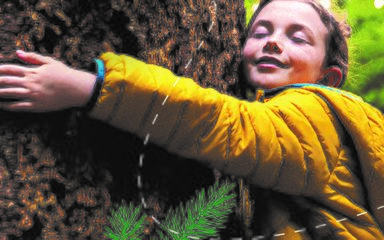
(33, 58)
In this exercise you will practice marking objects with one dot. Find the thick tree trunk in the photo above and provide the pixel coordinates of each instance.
(60, 173)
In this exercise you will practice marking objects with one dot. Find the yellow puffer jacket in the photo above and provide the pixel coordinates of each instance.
(324, 147)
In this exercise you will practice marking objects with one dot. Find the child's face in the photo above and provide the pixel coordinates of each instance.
(286, 45)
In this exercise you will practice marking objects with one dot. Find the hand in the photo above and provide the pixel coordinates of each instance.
(49, 85)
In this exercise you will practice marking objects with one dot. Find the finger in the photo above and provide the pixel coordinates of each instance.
(16, 106)
(14, 93)
(11, 81)
(33, 58)
(17, 70)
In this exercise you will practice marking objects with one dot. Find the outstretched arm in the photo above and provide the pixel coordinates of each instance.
(47, 85)
(280, 144)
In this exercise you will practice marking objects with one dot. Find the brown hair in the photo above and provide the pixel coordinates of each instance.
(337, 49)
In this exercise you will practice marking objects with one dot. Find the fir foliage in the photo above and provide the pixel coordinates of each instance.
(202, 216)
(126, 223)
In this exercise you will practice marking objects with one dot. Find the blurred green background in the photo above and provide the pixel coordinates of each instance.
(366, 45)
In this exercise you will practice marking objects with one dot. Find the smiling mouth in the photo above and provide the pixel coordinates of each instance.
(270, 61)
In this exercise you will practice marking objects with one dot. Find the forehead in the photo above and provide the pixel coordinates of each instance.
(292, 12)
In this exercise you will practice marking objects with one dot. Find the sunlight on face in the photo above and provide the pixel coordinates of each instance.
(286, 44)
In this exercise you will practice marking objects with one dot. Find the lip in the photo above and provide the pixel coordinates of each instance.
(270, 62)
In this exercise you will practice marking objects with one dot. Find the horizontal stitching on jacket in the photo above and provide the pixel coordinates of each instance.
(178, 121)
(374, 136)
(119, 97)
(282, 162)
(306, 175)
(334, 229)
(257, 159)
(318, 136)
(148, 110)
(354, 218)
(350, 171)
(278, 175)
(228, 145)
(282, 116)
(207, 128)
(282, 159)
(337, 118)
(257, 156)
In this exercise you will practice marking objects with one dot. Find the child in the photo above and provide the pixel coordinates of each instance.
(319, 147)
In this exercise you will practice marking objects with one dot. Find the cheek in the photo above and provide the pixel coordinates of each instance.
(303, 59)
(246, 52)
(307, 66)
(250, 49)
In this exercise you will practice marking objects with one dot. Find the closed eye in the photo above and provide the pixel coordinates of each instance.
(261, 31)
(298, 40)
(260, 35)
(298, 35)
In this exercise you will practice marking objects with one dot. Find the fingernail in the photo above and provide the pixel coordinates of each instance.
(20, 52)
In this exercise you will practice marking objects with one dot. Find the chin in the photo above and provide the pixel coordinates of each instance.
(266, 83)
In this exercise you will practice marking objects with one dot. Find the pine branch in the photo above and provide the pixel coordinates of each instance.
(203, 216)
(126, 223)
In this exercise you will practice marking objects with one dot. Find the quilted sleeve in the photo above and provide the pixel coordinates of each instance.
(289, 144)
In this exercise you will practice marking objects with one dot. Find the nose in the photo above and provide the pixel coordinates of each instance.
(272, 47)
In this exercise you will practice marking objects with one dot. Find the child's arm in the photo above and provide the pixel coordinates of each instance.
(289, 144)
(47, 85)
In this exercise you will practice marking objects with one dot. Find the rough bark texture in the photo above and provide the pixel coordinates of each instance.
(60, 173)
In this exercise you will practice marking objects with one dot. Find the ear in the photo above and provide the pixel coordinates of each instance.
(332, 77)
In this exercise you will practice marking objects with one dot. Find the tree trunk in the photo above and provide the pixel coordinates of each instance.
(60, 173)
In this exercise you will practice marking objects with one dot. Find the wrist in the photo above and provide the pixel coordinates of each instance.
(98, 80)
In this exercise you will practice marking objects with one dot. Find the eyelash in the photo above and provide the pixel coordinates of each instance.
(259, 35)
(294, 39)
(298, 40)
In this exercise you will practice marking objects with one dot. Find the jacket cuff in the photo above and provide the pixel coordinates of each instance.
(118, 90)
